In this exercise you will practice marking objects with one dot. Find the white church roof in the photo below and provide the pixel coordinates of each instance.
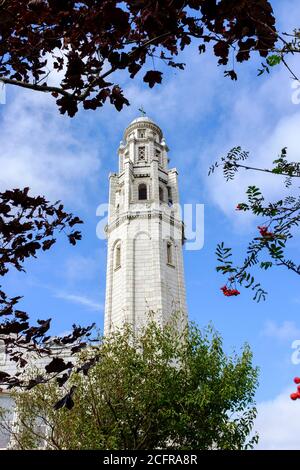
(142, 119)
(139, 121)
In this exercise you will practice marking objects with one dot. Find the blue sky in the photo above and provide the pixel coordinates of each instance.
(202, 116)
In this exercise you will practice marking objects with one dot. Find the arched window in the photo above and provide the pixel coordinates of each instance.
(118, 256)
(142, 192)
(161, 194)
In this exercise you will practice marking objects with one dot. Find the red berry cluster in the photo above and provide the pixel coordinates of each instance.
(229, 292)
(264, 232)
(296, 395)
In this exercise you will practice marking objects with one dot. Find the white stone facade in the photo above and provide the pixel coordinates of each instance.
(145, 233)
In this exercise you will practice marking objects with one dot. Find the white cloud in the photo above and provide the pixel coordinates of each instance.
(258, 115)
(80, 300)
(278, 423)
(287, 330)
(259, 126)
(40, 149)
(184, 96)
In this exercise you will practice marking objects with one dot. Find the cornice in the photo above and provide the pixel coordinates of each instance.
(143, 215)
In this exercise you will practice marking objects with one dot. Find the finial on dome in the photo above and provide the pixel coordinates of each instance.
(142, 111)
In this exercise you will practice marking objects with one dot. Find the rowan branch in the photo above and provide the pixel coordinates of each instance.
(289, 69)
(265, 170)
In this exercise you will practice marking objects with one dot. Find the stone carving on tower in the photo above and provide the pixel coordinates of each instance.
(144, 233)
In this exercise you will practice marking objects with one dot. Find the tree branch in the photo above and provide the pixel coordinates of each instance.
(289, 69)
(238, 165)
(36, 87)
(288, 265)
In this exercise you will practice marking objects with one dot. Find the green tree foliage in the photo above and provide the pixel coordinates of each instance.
(161, 389)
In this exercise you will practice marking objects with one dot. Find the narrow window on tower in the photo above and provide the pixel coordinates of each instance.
(2, 352)
(158, 157)
(141, 134)
(170, 199)
(118, 257)
(121, 163)
(169, 253)
(141, 154)
(161, 194)
(142, 192)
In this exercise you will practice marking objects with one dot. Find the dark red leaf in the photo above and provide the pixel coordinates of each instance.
(152, 77)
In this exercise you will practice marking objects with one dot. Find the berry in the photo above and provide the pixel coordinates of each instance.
(297, 380)
(229, 292)
(262, 229)
(294, 396)
(264, 232)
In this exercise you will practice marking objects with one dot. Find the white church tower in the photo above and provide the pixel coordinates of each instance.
(144, 232)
